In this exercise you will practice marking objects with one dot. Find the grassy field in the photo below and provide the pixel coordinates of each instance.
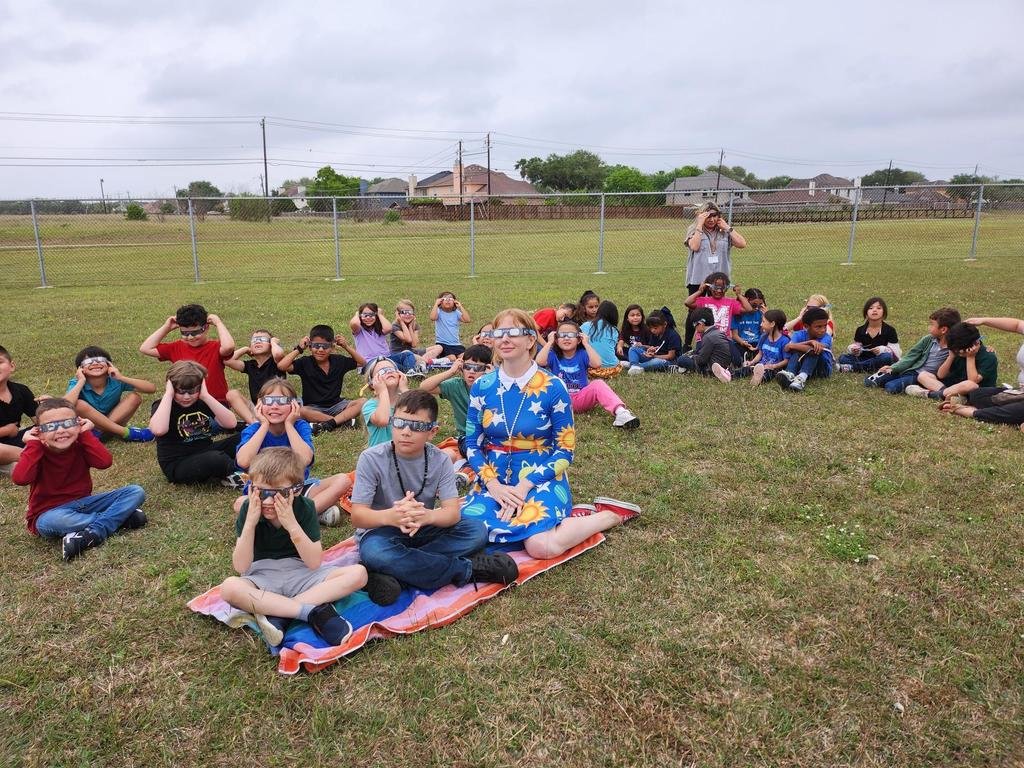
(735, 623)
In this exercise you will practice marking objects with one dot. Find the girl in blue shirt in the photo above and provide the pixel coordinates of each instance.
(771, 349)
(603, 333)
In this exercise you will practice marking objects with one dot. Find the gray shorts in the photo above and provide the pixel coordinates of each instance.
(330, 410)
(288, 576)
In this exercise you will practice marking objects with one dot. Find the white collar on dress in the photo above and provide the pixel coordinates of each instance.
(507, 381)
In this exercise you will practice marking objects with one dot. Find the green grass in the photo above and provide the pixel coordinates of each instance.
(729, 625)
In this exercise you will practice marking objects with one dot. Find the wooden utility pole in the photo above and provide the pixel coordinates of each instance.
(721, 157)
(488, 165)
(885, 190)
(460, 171)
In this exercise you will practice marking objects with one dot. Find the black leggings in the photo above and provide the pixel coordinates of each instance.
(215, 462)
(981, 398)
(688, 342)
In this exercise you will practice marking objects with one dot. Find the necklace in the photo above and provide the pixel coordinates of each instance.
(713, 241)
(509, 428)
(398, 472)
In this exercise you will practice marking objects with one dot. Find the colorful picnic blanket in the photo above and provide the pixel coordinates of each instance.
(415, 609)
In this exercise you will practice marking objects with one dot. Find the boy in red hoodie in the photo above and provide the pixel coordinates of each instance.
(59, 452)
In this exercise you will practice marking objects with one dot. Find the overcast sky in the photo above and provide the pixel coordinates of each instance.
(793, 88)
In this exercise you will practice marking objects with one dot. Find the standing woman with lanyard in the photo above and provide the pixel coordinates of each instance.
(520, 439)
(709, 240)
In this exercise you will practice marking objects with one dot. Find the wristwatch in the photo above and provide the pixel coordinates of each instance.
(730, 229)
(298, 348)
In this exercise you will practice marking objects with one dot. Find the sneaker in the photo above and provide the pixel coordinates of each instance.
(329, 625)
(624, 363)
(720, 373)
(625, 419)
(493, 568)
(582, 510)
(634, 370)
(414, 373)
(134, 521)
(323, 426)
(844, 368)
(382, 588)
(797, 385)
(235, 480)
(623, 509)
(674, 369)
(916, 390)
(272, 627)
(139, 435)
(873, 379)
(757, 376)
(330, 517)
(785, 378)
(74, 544)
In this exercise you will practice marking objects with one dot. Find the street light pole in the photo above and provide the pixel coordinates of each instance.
(103, 197)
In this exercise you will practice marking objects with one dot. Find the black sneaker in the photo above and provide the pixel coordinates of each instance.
(382, 588)
(134, 521)
(784, 378)
(323, 426)
(495, 567)
(329, 625)
(76, 543)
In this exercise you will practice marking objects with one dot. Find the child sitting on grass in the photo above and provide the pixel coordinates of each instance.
(814, 300)
(100, 393)
(193, 323)
(370, 331)
(970, 365)
(573, 354)
(926, 356)
(632, 334)
(875, 343)
(403, 538)
(264, 351)
(603, 335)
(663, 348)
(59, 452)
(16, 400)
(713, 353)
(810, 352)
(723, 308)
(405, 334)
(548, 318)
(447, 313)
(745, 329)
(771, 354)
(280, 559)
(322, 376)
(996, 404)
(387, 383)
(183, 422)
(279, 425)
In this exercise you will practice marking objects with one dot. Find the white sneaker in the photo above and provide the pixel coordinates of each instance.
(634, 370)
(721, 373)
(331, 517)
(916, 390)
(624, 418)
(624, 363)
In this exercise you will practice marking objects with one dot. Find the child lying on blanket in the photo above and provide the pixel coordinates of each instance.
(403, 538)
(278, 555)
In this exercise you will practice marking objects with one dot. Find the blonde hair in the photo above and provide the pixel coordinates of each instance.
(405, 303)
(186, 374)
(278, 383)
(277, 465)
(821, 300)
(520, 318)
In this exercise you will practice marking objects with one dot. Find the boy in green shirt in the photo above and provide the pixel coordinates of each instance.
(970, 365)
(454, 384)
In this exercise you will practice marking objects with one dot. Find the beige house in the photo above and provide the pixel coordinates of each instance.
(460, 185)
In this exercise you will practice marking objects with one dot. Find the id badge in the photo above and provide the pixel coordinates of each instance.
(713, 259)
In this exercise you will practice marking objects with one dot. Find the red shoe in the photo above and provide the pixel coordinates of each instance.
(623, 509)
(582, 510)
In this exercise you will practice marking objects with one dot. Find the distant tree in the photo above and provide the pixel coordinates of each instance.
(135, 212)
(737, 173)
(776, 182)
(623, 178)
(200, 189)
(661, 179)
(375, 180)
(330, 183)
(897, 177)
(167, 208)
(580, 170)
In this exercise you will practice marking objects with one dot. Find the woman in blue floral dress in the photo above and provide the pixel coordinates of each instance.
(520, 440)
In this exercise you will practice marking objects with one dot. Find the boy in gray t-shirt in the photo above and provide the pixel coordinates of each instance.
(403, 537)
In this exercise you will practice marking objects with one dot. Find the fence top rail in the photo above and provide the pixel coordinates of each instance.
(476, 196)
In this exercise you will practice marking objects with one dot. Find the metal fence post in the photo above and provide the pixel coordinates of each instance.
(192, 229)
(472, 238)
(600, 242)
(853, 229)
(977, 223)
(39, 245)
(337, 241)
(729, 213)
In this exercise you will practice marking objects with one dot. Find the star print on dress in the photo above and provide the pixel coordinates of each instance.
(560, 406)
(536, 408)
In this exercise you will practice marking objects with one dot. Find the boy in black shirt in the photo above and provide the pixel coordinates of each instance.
(280, 558)
(322, 376)
(16, 400)
(183, 424)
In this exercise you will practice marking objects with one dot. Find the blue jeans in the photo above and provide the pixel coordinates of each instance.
(808, 364)
(738, 353)
(867, 362)
(432, 558)
(637, 357)
(895, 383)
(405, 360)
(102, 513)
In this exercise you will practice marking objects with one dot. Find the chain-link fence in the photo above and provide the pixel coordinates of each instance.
(122, 242)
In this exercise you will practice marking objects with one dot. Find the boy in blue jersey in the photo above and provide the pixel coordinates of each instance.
(809, 350)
